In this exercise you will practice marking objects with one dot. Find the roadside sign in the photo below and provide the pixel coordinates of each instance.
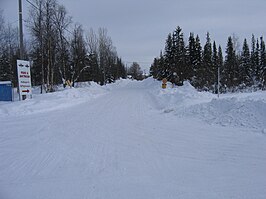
(164, 84)
(24, 79)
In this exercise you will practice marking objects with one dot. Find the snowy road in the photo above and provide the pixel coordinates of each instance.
(122, 145)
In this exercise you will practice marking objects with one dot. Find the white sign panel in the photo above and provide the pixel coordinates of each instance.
(24, 79)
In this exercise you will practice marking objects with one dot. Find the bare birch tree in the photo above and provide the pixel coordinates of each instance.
(62, 22)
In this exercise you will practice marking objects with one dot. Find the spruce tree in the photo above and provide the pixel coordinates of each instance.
(215, 55)
(161, 64)
(207, 65)
(230, 72)
(191, 57)
(220, 57)
(245, 66)
(215, 61)
(254, 59)
(263, 62)
(179, 59)
(257, 64)
(169, 57)
(220, 66)
(154, 69)
(121, 69)
(198, 63)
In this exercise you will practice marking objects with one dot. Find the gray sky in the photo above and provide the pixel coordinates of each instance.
(139, 28)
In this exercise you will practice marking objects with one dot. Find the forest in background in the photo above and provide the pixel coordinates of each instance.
(238, 69)
(59, 50)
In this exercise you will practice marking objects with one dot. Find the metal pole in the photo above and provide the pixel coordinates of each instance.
(218, 83)
(21, 47)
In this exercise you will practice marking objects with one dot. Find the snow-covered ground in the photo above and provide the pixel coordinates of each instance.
(133, 140)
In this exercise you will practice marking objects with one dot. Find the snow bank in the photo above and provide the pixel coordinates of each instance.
(239, 109)
(230, 112)
(121, 83)
(61, 99)
(174, 98)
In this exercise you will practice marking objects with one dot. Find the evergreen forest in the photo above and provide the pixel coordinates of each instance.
(205, 65)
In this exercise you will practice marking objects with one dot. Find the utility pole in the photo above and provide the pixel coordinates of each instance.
(21, 54)
(21, 47)
(218, 83)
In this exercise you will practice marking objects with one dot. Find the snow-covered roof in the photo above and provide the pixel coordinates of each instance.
(5, 82)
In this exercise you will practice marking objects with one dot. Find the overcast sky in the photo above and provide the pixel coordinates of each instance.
(139, 28)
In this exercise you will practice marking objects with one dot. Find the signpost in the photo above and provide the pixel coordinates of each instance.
(164, 83)
(24, 79)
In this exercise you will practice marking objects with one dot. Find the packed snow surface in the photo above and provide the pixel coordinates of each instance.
(133, 140)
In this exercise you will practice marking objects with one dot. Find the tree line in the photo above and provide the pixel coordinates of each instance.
(239, 69)
(59, 51)
(9, 50)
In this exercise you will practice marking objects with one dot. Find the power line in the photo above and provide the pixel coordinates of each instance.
(33, 5)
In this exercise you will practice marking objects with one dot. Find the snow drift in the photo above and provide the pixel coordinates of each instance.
(239, 109)
(61, 99)
(230, 112)
(236, 109)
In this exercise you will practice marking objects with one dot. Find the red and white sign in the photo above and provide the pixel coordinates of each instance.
(24, 79)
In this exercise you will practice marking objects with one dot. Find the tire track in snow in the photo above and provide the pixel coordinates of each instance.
(121, 146)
